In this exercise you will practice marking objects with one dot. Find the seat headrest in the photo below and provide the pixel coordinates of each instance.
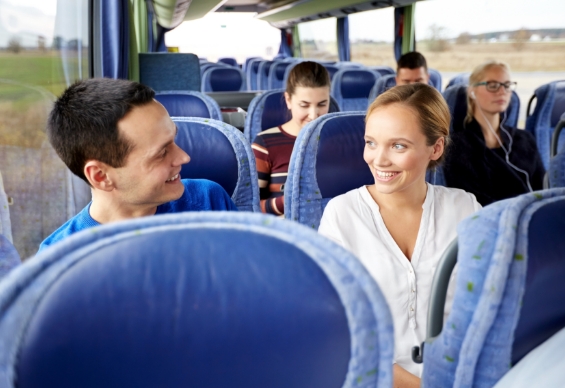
(340, 166)
(211, 154)
(184, 105)
(357, 83)
(226, 79)
(558, 103)
(189, 305)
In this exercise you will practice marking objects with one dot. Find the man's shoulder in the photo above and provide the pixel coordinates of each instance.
(77, 223)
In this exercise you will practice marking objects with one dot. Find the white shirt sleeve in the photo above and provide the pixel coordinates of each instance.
(329, 225)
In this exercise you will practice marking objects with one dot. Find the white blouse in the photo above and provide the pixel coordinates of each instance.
(354, 221)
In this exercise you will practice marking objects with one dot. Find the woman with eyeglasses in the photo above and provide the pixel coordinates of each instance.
(488, 157)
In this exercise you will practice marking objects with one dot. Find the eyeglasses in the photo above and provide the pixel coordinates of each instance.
(493, 86)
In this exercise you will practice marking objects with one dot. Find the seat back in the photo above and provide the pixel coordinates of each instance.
(229, 61)
(169, 71)
(459, 79)
(223, 79)
(276, 75)
(550, 105)
(252, 73)
(189, 104)
(381, 85)
(219, 152)
(269, 110)
(327, 161)
(332, 69)
(246, 63)
(182, 300)
(263, 74)
(383, 70)
(456, 98)
(351, 88)
(509, 296)
(556, 172)
(435, 79)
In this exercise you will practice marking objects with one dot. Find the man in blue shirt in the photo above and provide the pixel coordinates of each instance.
(118, 139)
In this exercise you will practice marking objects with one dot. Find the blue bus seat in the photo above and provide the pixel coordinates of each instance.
(382, 85)
(189, 104)
(246, 63)
(223, 79)
(276, 75)
(169, 71)
(263, 74)
(456, 98)
(383, 70)
(459, 79)
(550, 105)
(509, 296)
(435, 79)
(556, 172)
(219, 152)
(351, 87)
(252, 73)
(229, 61)
(9, 257)
(197, 299)
(435, 176)
(269, 110)
(332, 69)
(327, 161)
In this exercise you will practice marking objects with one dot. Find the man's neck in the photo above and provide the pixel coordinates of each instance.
(105, 209)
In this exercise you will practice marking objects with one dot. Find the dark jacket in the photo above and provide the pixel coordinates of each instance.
(471, 166)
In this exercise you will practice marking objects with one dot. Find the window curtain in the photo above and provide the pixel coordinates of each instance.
(398, 31)
(285, 50)
(343, 39)
(139, 35)
(114, 39)
(404, 36)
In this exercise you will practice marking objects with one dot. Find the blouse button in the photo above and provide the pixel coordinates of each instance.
(411, 309)
(413, 291)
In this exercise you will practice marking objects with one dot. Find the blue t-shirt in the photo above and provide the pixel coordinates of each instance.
(199, 195)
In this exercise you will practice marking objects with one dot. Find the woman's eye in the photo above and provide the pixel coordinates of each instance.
(398, 146)
(369, 143)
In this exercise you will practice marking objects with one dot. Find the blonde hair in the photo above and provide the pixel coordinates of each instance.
(429, 106)
(476, 77)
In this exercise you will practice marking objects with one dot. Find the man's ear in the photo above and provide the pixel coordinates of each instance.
(97, 174)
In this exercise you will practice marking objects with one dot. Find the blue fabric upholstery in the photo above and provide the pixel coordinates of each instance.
(459, 79)
(269, 110)
(557, 163)
(276, 75)
(246, 63)
(169, 71)
(189, 104)
(456, 98)
(541, 123)
(208, 65)
(509, 296)
(383, 70)
(435, 176)
(252, 73)
(263, 76)
(220, 153)
(223, 79)
(9, 257)
(229, 61)
(332, 69)
(381, 85)
(435, 78)
(327, 161)
(351, 88)
(191, 299)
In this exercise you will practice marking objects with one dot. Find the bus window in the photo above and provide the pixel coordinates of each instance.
(318, 39)
(224, 34)
(371, 34)
(43, 48)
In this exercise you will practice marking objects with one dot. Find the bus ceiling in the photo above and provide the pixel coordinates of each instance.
(279, 13)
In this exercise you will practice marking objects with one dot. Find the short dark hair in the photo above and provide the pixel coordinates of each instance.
(411, 60)
(83, 123)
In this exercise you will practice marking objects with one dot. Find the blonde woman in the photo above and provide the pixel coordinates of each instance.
(489, 158)
(400, 226)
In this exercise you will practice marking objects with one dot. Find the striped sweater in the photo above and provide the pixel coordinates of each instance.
(272, 149)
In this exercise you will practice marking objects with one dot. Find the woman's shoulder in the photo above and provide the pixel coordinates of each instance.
(451, 198)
